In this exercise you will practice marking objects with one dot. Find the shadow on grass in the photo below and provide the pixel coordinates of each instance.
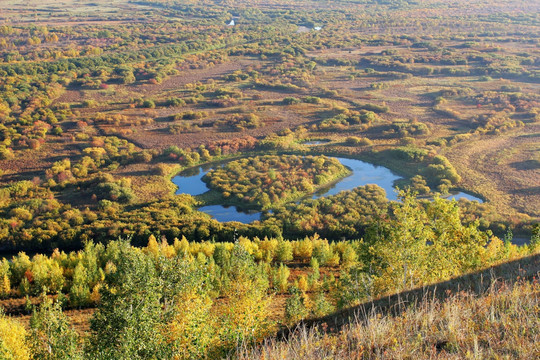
(526, 165)
(476, 283)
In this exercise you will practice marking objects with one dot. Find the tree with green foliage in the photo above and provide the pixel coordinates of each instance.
(295, 308)
(321, 305)
(51, 335)
(284, 251)
(79, 292)
(244, 315)
(354, 286)
(281, 278)
(423, 242)
(128, 322)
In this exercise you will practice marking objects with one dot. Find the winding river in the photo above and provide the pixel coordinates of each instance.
(363, 173)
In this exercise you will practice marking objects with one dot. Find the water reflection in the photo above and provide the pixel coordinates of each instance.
(315, 142)
(190, 181)
(363, 173)
(462, 195)
(224, 213)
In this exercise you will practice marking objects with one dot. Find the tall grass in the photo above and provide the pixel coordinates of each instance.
(502, 322)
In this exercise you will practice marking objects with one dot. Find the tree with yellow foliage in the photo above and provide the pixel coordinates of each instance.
(244, 313)
(5, 284)
(13, 344)
(281, 278)
(152, 247)
(190, 328)
(193, 330)
(303, 249)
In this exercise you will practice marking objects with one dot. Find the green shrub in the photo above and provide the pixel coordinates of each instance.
(290, 100)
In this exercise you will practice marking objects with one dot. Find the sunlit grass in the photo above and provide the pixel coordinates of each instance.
(502, 322)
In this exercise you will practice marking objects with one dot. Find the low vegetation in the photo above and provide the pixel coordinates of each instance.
(206, 298)
(502, 321)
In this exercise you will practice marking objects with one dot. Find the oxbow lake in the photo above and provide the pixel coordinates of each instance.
(363, 173)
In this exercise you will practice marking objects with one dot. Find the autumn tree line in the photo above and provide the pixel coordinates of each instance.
(33, 216)
(184, 299)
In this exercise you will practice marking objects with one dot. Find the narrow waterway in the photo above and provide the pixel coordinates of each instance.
(363, 173)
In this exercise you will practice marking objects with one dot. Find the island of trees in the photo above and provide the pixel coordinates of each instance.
(268, 181)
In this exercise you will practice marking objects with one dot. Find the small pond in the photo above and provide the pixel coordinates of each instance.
(462, 195)
(315, 142)
(363, 173)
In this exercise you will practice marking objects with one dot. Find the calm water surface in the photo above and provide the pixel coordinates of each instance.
(363, 173)
(315, 142)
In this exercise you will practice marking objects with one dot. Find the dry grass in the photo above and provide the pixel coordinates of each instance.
(501, 322)
(489, 314)
(496, 168)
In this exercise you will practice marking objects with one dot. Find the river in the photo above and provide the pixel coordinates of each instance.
(363, 173)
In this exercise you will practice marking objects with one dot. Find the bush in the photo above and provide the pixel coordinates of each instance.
(118, 191)
(410, 153)
(290, 100)
(89, 103)
(312, 100)
(175, 102)
(148, 104)
(358, 141)
(5, 153)
(58, 131)
(375, 108)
